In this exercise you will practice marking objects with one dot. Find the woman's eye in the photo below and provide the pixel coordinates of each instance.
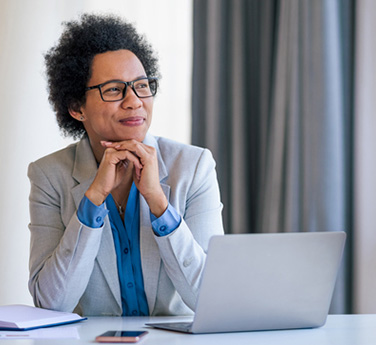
(141, 86)
(112, 90)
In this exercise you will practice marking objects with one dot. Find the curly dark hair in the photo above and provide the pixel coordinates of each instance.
(68, 64)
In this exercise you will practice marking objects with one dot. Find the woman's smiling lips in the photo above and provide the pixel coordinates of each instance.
(133, 121)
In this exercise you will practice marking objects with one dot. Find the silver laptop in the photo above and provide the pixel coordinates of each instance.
(265, 282)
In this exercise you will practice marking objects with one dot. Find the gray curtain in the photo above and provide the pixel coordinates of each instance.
(272, 99)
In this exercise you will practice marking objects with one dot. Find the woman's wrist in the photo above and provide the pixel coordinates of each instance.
(95, 197)
(158, 205)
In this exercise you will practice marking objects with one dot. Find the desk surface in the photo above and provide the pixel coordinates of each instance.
(339, 329)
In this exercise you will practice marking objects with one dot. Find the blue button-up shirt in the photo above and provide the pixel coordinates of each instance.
(127, 243)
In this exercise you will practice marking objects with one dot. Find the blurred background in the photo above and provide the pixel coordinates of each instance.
(281, 91)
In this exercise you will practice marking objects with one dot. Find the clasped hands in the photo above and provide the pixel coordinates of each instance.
(129, 158)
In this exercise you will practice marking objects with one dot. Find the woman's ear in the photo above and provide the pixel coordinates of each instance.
(76, 112)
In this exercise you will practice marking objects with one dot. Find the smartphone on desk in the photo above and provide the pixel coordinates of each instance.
(121, 336)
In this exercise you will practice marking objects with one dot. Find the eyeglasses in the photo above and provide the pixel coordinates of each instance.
(115, 90)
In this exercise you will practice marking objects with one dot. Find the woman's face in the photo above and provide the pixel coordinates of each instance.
(127, 119)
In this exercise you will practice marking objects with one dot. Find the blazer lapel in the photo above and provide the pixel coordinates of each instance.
(150, 258)
(84, 171)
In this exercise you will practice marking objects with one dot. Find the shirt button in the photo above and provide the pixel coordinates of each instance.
(187, 262)
(162, 228)
(134, 312)
(130, 285)
(126, 251)
(98, 219)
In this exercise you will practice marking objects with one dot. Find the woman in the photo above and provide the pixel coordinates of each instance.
(121, 220)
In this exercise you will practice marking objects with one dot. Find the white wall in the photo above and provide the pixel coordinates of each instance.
(27, 124)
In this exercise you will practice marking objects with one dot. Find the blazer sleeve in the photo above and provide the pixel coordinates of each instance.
(61, 255)
(183, 252)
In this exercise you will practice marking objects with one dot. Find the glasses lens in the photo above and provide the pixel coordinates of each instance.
(113, 91)
(145, 87)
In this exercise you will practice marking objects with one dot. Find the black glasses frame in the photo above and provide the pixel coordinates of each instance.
(126, 83)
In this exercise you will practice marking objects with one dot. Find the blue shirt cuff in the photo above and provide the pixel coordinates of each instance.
(166, 223)
(90, 214)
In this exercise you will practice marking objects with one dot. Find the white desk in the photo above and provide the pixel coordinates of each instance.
(339, 330)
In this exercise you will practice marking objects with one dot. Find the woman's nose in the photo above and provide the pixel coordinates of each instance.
(131, 100)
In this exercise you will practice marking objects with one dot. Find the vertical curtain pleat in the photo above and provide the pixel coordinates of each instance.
(364, 237)
(271, 108)
(231, 85)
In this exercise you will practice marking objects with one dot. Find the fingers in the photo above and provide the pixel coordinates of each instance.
(137, 148)
(115, 164)
(147, 157)
(146, 171)
(146, 154)
(116, 157)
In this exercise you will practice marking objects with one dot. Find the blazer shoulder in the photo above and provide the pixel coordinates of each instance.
(57, 160)
(184, 161)
(171, 148)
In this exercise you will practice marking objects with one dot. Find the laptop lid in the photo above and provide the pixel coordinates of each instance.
(268, 281)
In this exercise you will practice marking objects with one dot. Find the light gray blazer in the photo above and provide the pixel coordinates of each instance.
(73, 267)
